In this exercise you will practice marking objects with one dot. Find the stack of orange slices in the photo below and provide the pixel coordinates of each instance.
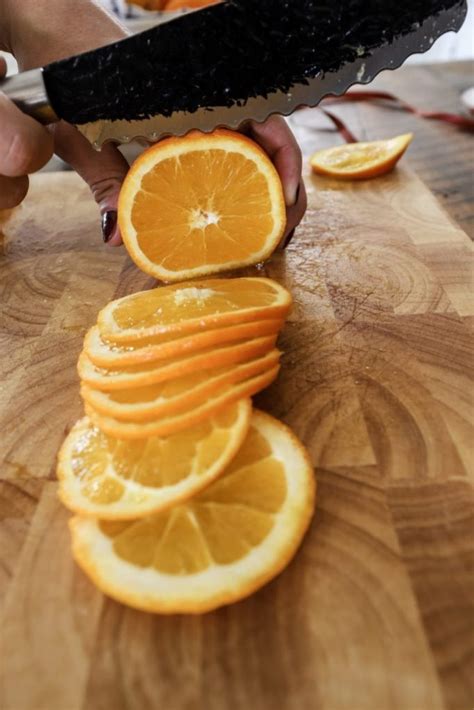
(185, 498)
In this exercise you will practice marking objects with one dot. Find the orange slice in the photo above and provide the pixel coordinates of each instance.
(144, 404)
(122, 480)
(191, 307)
(159, 348)
(110, 380)
(218, 547)
(201, 204)
(357, 161)
(188, 4)
(178, 422)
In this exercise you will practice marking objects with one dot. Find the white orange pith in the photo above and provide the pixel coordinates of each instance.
(201, 204)
(220, 546)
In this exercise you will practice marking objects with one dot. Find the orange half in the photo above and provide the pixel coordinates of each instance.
(201, 204)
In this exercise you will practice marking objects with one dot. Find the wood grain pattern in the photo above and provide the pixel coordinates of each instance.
(441, 155)
(376, 612)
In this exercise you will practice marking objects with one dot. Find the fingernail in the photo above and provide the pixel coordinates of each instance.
(289, 238)
(109, 222)
(292, 198)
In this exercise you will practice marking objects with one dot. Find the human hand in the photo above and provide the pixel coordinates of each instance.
(36, 37)
(277, 139)
(25, 146)
(34, 32)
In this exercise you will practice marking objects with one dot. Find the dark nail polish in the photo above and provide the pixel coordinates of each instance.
(289, 238)
(109, 220)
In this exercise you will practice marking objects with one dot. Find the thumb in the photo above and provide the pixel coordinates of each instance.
(103, 171)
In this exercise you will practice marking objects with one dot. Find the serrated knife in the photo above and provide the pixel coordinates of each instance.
(230, 62)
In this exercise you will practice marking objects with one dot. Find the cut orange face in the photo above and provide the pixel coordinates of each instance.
(192, 307)
(110, 380)
(217, 548)
(160, 348)
(358, 161)
(201, 204)
(143, 404)
(114, 479)
(164, 426)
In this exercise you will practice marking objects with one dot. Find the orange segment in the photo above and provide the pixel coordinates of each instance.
(192, 307)
(357, 161)
(201, 204)
(110, 380)
(161, 348)
(144, 404)
(172, 424)
(217, 548)
(122, 480)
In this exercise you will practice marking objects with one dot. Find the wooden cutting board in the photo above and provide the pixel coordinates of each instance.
(375, 612)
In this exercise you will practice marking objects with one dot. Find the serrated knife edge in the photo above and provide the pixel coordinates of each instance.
(362, 71)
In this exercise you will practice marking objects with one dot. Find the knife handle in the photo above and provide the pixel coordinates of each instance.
(28, 92)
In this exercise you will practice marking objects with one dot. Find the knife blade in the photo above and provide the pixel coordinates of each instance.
(240, 60)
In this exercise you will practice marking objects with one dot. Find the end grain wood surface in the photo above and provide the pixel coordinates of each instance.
(375, 612)
(441, 155)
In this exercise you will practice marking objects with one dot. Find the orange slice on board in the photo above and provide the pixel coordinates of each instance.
(358, 161)
(201, 204)
(159, 348)
(110, 380)
(165, 426)
(144, 404)
(121, 480)
(192, 307)
(220, 546)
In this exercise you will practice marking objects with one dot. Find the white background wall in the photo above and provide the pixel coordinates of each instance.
(452, 45)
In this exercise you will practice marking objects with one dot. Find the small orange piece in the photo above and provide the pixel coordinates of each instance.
(358, 161)
(201, 204)
(112, 380)
(164, 348)
(192, 307)
(144, 404)
(176, 423)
